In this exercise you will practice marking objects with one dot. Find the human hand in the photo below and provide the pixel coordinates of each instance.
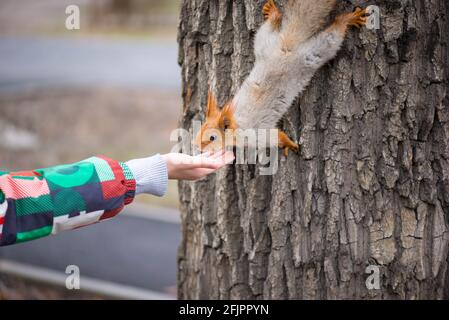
(184, 167)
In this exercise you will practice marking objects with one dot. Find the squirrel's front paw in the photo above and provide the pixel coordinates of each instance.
(286, 144)
(294, 147)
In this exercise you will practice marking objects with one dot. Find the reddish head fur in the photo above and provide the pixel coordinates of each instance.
(212, 133)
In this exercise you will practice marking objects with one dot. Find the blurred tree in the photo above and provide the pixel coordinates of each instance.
(123, 7)
(370, 186)
(135, 6)
(133, 12)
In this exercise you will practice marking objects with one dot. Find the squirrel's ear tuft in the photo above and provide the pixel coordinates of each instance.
(228, 109)
(227, 117)
(212, 107)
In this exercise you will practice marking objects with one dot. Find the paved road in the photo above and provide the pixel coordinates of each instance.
(33, 63)
(128, 250)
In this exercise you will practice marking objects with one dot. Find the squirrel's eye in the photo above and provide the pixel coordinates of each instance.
(213, 138)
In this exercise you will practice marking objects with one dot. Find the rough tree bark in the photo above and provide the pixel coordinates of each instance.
(369, 187)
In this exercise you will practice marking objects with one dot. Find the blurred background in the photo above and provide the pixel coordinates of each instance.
(111, 88)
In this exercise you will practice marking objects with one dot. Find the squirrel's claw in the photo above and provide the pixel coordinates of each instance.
(287, 144)
(272, 13)
(294, 147)
(358, 18)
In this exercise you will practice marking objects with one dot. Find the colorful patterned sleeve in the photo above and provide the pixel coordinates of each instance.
(38, 203)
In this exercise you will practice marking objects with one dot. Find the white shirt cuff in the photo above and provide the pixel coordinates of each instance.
(150, 174)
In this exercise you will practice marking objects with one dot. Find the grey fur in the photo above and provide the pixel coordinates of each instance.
(280, 73)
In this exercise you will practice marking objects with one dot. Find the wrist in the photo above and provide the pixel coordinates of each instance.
(168, 164)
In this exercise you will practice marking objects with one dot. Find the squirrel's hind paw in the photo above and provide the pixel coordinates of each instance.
(358, 18)
(272, 13)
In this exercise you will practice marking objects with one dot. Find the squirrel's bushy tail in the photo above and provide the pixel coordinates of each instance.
(304, 18)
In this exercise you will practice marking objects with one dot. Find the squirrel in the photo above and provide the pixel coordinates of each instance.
(289, 48)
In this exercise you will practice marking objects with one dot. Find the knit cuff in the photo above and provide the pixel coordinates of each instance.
(150, 174)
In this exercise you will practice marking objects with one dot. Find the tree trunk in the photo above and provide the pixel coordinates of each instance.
(370, 186)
